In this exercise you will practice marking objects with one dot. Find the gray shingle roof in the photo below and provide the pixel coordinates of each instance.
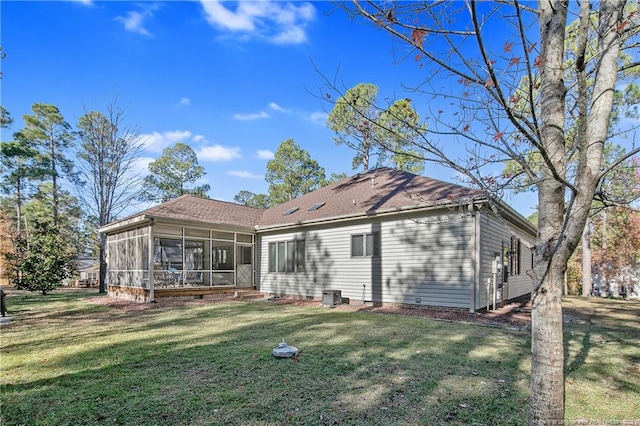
(367, 193)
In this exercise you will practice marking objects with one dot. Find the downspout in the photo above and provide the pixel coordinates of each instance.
(256, 260)
(475, 241)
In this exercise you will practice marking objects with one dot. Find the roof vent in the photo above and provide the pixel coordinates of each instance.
(373, 181)
(290, 211)
(316, 206)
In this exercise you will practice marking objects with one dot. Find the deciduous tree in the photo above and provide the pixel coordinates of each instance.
(108, 150)
(495, 120)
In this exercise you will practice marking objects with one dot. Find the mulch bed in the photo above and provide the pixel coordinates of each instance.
(514, 315)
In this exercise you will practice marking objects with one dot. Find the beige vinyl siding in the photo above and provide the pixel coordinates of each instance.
(427, 258)
(493, 233)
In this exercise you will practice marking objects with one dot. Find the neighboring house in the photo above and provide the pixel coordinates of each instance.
(88, 271)
(382, 236)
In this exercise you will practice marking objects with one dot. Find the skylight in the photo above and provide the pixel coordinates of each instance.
(290, 211)
(316, 206)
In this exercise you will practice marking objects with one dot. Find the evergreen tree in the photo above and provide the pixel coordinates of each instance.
(41, 261)
(47, 133)
(171, 172)
(292, 173)
(392, 134)
(248, 198)
(353, 119)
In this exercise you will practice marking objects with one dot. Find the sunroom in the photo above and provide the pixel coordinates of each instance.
(156, 255)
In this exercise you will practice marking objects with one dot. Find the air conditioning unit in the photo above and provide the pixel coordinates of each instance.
(331, 297)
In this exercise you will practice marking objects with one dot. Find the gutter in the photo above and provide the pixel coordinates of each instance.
(127, 223)
(146, 219)
(474, 297)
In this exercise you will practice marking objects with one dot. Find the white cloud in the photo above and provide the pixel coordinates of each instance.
(292, 35)
(274, 106)
(264, 154)
(184, 102)
(141, 166)
(319, 117)
(251, 116)
(244, 174)
(220, 16)
(274, 21)
(157, 141)
(135, 20)
(219, 153)
(85, 2)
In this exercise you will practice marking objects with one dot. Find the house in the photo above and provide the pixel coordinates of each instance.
(381, 236)
(88, 270)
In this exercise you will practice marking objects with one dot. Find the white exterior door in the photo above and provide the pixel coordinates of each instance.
(244, 267)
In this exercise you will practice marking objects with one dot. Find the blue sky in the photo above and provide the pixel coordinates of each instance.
(233, 80)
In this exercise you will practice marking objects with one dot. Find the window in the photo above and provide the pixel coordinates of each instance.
(287, 256)
(222, 254)
(365, 245)
(357, 245)
(515, 256)
(281, 257)
(194, 255)
(167, 253)
(505, 262)
(300, 256)
(291, 253)
(272, 257)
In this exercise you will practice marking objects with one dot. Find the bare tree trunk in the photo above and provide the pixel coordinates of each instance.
(547, 355)
(546, 405)
(19, 209)
(102, 257)
(586, 262)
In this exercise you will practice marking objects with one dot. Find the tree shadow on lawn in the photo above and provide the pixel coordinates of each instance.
(213, 364)
(602, 356)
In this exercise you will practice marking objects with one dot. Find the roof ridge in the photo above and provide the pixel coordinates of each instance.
(197, 197)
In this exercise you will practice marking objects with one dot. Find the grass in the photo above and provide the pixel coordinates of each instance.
(66, 361)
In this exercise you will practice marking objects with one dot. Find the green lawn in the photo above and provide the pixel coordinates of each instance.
(65, 360)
